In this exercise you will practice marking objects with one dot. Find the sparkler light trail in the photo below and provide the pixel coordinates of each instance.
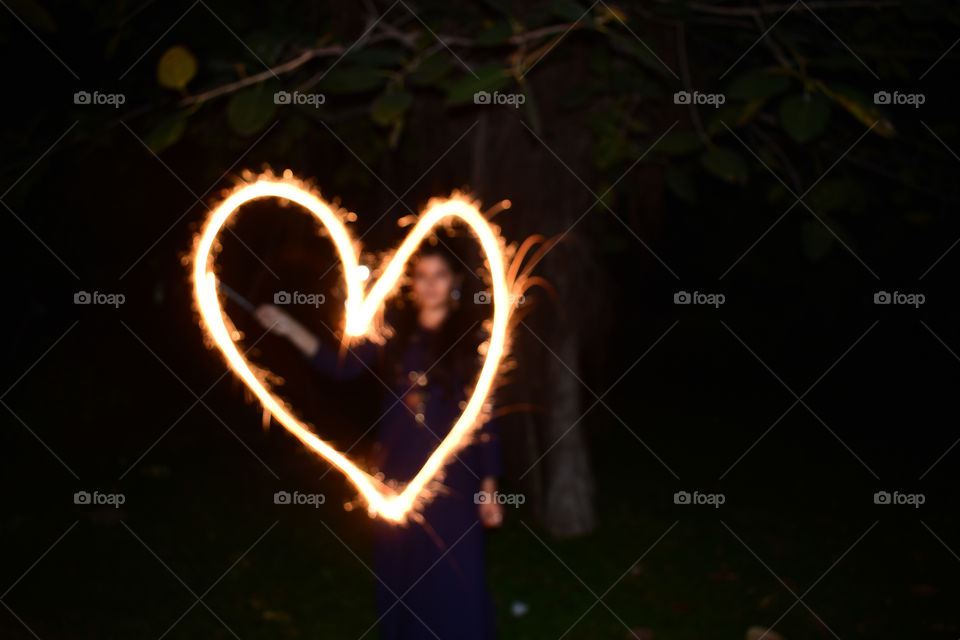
(362, 309)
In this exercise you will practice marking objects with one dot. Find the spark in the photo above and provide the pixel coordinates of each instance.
(363, 304)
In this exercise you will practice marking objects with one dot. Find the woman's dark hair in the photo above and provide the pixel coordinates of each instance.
(452, 354)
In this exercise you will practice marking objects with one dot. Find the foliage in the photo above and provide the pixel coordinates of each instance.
(797, 86)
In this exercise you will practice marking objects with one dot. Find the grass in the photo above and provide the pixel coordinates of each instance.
(199, 521)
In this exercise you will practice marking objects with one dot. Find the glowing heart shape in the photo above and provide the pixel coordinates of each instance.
(361, 309)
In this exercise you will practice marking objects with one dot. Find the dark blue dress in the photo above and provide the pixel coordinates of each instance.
(431, 575)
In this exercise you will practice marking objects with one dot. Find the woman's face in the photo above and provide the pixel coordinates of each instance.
(433, 281)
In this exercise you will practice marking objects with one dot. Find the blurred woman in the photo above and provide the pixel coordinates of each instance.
(431, 575)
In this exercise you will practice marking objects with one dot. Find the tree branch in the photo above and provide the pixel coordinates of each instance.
(782, 8)
(290, 65)
(387, 32)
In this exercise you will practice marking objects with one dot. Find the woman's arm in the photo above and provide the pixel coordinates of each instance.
(355, 361)
(283, 324)
(321, 357)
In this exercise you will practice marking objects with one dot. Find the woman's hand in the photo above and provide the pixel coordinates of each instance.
(276, 320)
(283, 324)
(490, 510)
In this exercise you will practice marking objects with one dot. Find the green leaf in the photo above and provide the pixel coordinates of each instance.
(804, 116)
(567, 10)
(630, 46)
(600, 62)
(347, 78)
(293, 129)
(678, 143)
(167, 132)
(266, 44)
(430, 70)
(250, 109)
(390, 107)
(757, 85)
(680, 184)
(577, 96)
(494, 35)
(726, 164)
(489, 78)
(674, 9)
(860, 107)
(777, 194)
(33, 13)
(530, 108)
(499, 5)
(176, 68)
(610, 146)
(603, 122)
(609, 151)
(733, 115)
(636, 125)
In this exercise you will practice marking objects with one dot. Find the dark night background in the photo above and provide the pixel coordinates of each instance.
(797, 399)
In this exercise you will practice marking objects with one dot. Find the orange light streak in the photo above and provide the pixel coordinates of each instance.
(362, 309)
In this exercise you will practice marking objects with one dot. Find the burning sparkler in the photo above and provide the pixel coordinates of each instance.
(362, 308)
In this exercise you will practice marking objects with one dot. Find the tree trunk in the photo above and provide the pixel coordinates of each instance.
(569, 508)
